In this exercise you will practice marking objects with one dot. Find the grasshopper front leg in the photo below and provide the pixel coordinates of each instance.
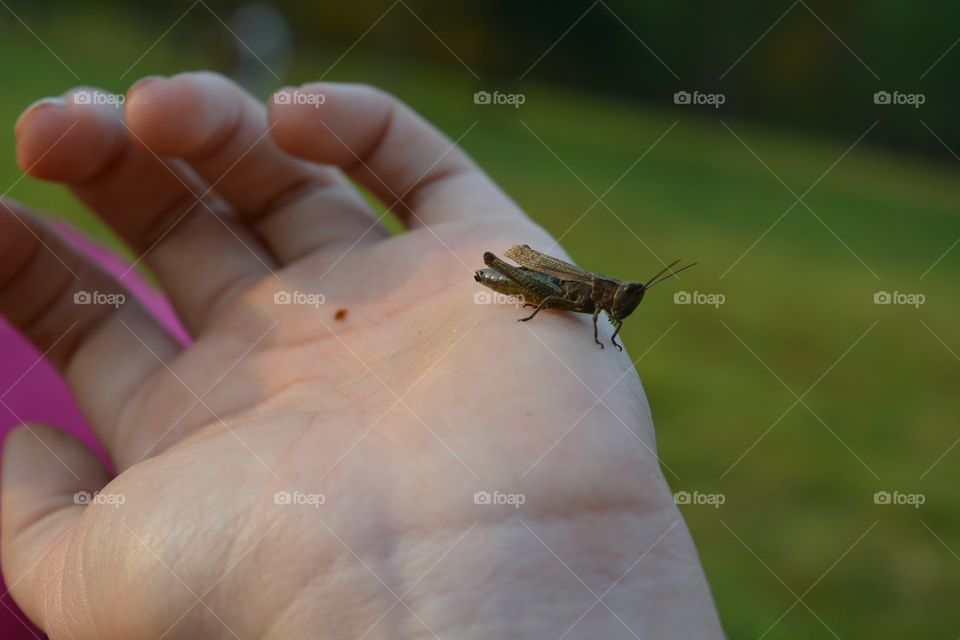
(613, 339)
(596, 337)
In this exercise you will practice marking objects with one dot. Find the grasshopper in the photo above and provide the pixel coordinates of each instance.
(546, 282)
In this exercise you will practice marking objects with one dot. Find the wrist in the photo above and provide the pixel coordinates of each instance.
(607, 573)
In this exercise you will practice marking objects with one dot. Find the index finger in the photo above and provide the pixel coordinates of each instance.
(386, 146)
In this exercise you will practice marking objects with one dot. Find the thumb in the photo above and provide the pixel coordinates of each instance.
(46, 475)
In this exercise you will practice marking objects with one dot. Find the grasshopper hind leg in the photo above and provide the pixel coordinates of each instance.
(535, 288)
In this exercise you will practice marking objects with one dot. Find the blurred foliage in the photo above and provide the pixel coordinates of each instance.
(809, 64)
(798, 482)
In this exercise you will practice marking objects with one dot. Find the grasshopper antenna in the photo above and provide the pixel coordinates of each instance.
(662, 271)
(657, 279)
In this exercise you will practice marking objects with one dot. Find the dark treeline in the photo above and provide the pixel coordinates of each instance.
(816, 69)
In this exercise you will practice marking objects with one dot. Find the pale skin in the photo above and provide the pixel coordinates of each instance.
(293, 399)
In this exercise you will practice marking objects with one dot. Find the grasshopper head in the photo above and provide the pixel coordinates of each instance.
(626, 298)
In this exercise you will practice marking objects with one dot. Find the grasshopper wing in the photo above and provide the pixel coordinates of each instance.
(532, 259)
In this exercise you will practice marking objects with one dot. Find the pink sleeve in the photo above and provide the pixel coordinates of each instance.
(30, 389)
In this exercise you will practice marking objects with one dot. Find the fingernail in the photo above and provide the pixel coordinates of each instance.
(141, 83)
(42, 103)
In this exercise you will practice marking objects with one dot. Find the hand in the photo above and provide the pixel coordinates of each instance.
(379, 413)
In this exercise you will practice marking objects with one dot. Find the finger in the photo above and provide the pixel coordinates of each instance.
(154, 205)
(43, 470)
(221, 130)
(387, 147)
(80, 318)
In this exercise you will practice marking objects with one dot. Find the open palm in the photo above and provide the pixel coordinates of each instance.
(315, 463)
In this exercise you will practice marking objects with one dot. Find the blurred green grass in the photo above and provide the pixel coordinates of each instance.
(801, 497)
